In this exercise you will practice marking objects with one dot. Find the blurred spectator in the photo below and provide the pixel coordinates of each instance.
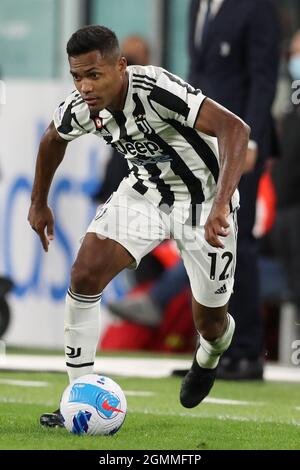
(286, 177)
(6, 286)
(234, 52)
(136, 50)
(148, 308)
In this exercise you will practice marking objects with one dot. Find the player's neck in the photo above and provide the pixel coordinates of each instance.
(119, 102)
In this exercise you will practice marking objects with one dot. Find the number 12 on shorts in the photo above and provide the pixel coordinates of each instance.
(226, 260)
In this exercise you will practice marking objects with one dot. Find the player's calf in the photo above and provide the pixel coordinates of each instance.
(198, 382)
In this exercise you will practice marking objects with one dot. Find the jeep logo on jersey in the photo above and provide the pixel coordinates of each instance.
(138, 148)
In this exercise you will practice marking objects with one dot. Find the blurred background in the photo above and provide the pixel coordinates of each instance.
(34, 80)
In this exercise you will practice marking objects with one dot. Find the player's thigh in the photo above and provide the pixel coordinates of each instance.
(127, 227)
(210, 270)
(98, 261)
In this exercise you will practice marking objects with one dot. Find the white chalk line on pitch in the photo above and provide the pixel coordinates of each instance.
(31, 383)
(224, 401)
(209, 400)
(4, 399)
(128, 393)
(23, 383)
(134, 367)
(20, 401)
(133, 393)
(139, 393)
(224, 417)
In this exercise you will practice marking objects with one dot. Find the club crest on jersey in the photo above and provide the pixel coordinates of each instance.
(98, 122)
(142, 124)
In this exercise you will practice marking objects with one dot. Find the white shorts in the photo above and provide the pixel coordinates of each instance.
(139, 226)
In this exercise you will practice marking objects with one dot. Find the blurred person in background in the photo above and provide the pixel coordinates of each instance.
(6, 285)
(136, 50)
(234, 54)
(286, 177)
(148, 308)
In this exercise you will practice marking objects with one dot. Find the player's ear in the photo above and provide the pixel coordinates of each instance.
(122, 64)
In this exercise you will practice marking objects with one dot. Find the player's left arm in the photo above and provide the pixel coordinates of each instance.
(233, 136)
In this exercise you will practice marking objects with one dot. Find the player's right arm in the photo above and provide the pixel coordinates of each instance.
(51, 153)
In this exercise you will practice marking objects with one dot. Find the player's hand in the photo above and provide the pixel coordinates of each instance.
(217, 225)
(40, 218)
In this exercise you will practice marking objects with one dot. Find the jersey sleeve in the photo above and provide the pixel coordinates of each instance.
(173, 98)
(72, 118)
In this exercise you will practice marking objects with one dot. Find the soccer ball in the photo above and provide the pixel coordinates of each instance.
(93, 404)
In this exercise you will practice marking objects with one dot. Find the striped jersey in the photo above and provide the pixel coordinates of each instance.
(171, 163)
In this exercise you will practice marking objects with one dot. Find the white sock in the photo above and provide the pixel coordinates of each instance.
(82, 327)
(209, 352)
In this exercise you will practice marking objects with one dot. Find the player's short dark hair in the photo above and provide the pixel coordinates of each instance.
(92, 38)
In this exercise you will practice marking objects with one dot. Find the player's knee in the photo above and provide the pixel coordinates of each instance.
(85, 279)
(210, 327)
(210, 321)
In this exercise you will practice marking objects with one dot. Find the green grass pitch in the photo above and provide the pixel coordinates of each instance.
(267, 418)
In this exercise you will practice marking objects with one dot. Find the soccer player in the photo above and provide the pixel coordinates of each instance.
(186, 155)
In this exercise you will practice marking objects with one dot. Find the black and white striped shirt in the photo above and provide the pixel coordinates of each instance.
(171, 163)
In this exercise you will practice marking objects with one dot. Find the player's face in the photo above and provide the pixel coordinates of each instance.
(100, 81)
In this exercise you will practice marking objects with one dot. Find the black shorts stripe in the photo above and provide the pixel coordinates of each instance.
(84, 364)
